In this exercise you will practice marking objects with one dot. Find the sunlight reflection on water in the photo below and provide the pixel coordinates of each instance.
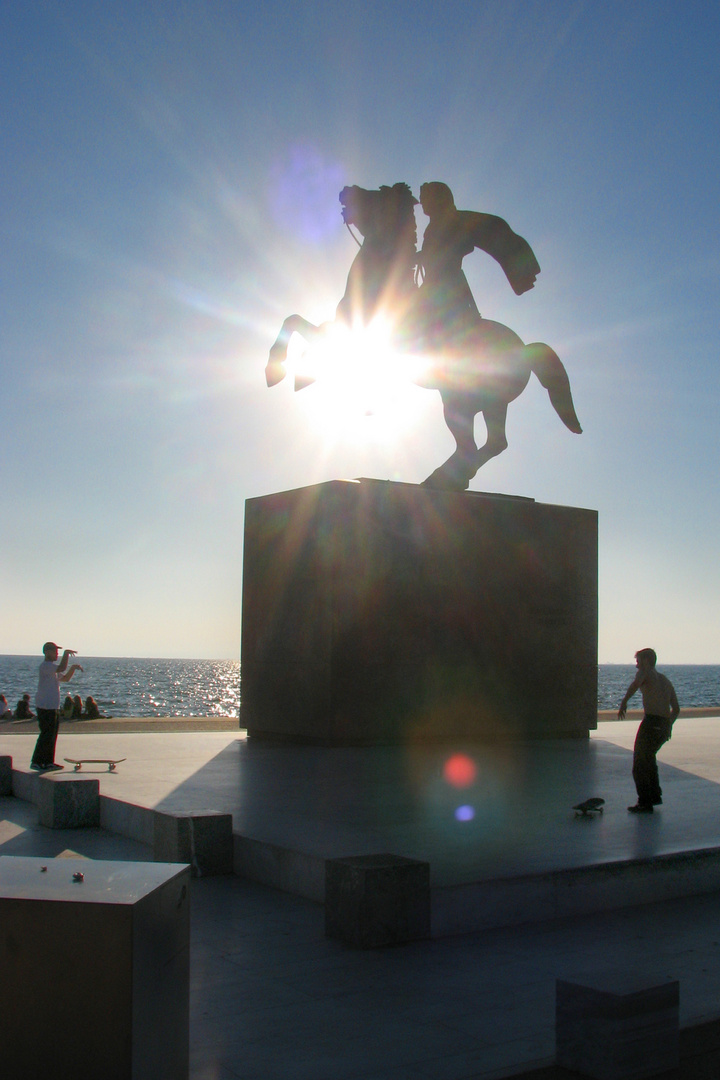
(123, 686)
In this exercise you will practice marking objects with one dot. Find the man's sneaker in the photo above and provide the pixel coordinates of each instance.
(38, 768)
(640, 808)
(55, 768)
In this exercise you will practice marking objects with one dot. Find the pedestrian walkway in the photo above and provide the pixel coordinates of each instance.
(272, 997)
(498, 810)
(475, 813)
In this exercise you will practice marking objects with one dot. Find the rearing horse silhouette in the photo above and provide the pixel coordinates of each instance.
(480, 369)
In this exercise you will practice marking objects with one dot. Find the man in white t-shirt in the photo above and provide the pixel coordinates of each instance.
(661, 708)
(47, 702)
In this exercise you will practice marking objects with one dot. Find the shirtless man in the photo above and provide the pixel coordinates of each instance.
(661, 708)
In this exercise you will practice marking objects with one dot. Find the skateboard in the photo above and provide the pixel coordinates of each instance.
(589, 807)
(110, 762)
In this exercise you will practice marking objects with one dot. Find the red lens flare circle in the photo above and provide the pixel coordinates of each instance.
(460, 771)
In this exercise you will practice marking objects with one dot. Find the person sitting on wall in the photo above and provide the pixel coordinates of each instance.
(91, 710)
(67, 708)
(77, 708)
(23, 710)
(5, 710)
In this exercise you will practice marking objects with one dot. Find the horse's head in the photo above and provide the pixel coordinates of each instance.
(385, 214)
(382, 273)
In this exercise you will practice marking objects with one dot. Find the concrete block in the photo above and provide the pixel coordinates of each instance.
(202, 839)
(126, 819)
(65, 802)
(374, 900)
(617, 1026)
(99, 969)
(377, 613)
(6, 787)
(291, 871)
(24, 785)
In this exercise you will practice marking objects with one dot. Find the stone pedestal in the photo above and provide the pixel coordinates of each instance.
(374, 900)
(617, 1026)
(376, 612)
(68, 803)
(96, 971)
(203, 839)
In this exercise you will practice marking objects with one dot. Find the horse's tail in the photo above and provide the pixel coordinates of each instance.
(549, 369)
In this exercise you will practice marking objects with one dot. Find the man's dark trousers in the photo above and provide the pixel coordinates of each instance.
(653, 732)
(48, 722)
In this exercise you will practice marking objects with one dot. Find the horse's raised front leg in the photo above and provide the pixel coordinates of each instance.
(294, 324)
(456, 473)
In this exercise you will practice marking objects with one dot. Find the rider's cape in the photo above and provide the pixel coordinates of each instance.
(493, 235)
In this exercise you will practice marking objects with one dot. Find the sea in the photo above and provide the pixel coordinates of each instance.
(126, 686)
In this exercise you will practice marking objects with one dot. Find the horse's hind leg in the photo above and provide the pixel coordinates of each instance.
(455, 474)
(495, 416)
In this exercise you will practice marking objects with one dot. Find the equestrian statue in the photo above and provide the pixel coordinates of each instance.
(477, 366)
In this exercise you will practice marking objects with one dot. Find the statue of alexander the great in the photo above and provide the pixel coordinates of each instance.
(451, 235)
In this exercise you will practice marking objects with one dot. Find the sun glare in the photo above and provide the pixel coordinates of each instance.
(358, 377)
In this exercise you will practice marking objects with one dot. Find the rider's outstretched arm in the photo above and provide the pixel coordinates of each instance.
(493, 235)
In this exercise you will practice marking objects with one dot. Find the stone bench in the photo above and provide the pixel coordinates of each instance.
(617, 1026)
(374, 900)
(203, 839)
(66, 802)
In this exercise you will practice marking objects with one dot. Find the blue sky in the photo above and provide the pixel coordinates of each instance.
(169, 194)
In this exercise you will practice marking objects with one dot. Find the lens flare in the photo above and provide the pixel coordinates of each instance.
(357, 373)
(464, 813)
(460, 770)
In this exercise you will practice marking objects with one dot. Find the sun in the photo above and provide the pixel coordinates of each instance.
(357, 375)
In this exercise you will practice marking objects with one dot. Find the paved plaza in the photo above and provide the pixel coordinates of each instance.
(272, 997)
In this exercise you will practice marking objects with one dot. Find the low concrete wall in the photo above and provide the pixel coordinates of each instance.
(125, 819)
(486, 905)
(290, 871)
(456, 909)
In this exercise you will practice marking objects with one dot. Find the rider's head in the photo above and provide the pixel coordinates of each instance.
(436, 198)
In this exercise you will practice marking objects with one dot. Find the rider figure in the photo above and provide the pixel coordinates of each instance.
(451, 235)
